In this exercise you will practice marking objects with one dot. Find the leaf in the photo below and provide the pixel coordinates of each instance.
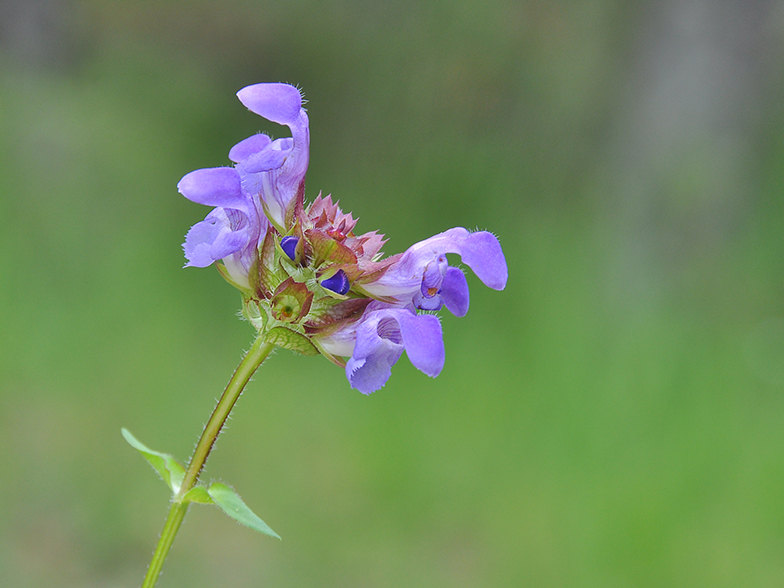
(167, 467)
(228, 500)
(198, 494)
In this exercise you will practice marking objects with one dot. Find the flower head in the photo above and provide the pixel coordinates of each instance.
(309, 282)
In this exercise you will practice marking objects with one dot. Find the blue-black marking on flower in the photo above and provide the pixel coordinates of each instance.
(338, 283)
(277, 250)
(289, 246)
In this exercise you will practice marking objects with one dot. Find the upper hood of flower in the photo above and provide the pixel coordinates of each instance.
(421, 276)
(274, 169)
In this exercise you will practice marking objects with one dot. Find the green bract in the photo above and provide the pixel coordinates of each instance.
(291, 299)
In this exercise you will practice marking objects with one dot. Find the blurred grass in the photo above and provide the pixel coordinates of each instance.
(584, 431)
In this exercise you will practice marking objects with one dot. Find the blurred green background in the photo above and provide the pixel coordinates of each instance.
(614, 418)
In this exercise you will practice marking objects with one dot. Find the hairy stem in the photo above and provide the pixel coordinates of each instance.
(249, 364)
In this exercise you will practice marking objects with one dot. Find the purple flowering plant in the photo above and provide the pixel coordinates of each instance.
(309, 283)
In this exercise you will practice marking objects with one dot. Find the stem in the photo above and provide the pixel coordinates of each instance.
(170, 528)
(249, 364)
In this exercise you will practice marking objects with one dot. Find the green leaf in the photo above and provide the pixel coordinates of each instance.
(167, 467)
(198, 494)
(228, 500)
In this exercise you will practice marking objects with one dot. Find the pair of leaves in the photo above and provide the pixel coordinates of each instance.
(218, 494)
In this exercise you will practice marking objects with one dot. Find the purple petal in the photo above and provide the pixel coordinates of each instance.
(267, 159)
(338, 283)
(289, 246)
(411, 277)
(223, 233)
(370, 374)
(278, 170)
(482, 253)
(423, 340)
(216, 186)
(198, 243)
(433, 275)
(228, 242)
(454, 292)
(247, 147)
(279, 103)
(424, 303)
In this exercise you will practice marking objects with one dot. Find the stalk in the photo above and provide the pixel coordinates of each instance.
(247, 367)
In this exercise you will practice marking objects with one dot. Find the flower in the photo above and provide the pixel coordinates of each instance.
(260, 189)
(309, 283)
(274, 169)
(423, 277)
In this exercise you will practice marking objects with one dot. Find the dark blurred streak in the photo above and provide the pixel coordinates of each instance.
(682, 162)
(44, 34)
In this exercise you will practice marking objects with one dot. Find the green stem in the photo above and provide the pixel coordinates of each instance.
(249, 364)
(170, 528)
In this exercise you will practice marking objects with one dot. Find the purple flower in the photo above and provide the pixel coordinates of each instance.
(309, 283)
(231, 231)
(381, 338)
(262, 188)
(274, 169)
(422, 276)
(378, 340)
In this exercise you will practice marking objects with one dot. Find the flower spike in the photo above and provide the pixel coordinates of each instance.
(309, 282)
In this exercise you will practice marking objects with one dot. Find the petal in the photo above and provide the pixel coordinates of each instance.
(342, 342)
(434, 274)
(425, 303)
(371, 363)
(289, 246)
(269, 158)
(482, 253)
(370, 374)
(216, 186)
(277, 173)
(454, 292)
(198, 243)
(338, 283)
(223, 233)
(228, 242)
(423, 340)
(279, 103)
(409, 274)
(247, 147)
